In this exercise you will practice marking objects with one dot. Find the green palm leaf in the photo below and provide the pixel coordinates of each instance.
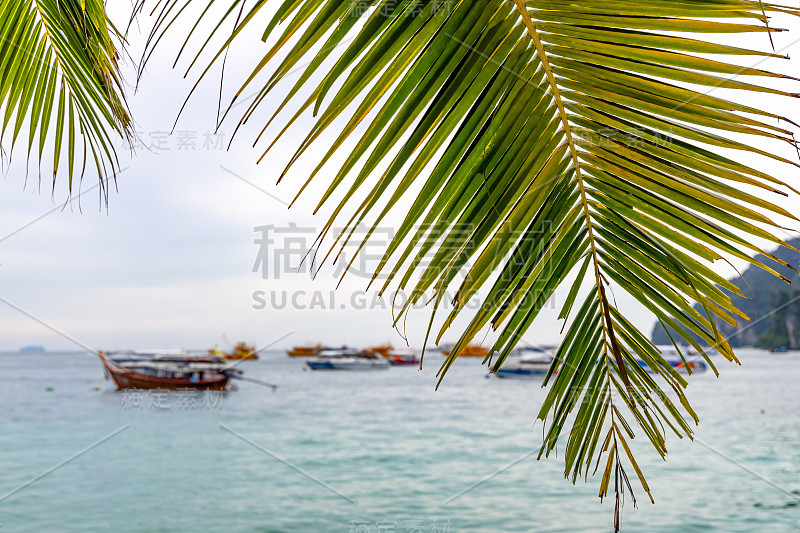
(546, 139)
(59, 77)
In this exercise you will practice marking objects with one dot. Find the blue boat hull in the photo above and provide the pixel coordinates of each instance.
(347, 363)
(521, 373)
(327, 365)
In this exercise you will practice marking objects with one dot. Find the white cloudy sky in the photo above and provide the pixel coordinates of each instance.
(168, 262)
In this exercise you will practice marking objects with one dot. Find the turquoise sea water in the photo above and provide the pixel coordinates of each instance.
(393, 454)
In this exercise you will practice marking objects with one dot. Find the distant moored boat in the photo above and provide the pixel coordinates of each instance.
(533, 363)
(345, 360)
(382, 350)
(304, 351)
(171, 372)
(471, 350)
(682, 365)
(240, 351)
(402, 357)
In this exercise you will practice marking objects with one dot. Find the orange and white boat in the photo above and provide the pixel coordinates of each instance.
(304, 351)
(240, 351)
(383, 350)
(403, 357)
(471, 350)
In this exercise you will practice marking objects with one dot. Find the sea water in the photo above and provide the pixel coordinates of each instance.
(373, 452)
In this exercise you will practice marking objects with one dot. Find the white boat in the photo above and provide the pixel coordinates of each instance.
(345, 360)
(533, 351)
(532, 364)
(694, 362)
(403, 356)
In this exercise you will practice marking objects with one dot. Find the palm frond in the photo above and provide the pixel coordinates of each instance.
(59, 78)
(546, 139)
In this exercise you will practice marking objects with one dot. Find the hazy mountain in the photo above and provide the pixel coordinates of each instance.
(773, 306)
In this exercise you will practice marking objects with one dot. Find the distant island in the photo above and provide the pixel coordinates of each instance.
(773, 306)
(32, 349)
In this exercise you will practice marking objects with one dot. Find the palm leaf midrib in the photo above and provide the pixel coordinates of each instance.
(608, 331)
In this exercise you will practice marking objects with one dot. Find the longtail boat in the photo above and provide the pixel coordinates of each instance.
(171, 372)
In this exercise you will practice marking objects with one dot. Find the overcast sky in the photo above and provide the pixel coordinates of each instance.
(168, 263)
